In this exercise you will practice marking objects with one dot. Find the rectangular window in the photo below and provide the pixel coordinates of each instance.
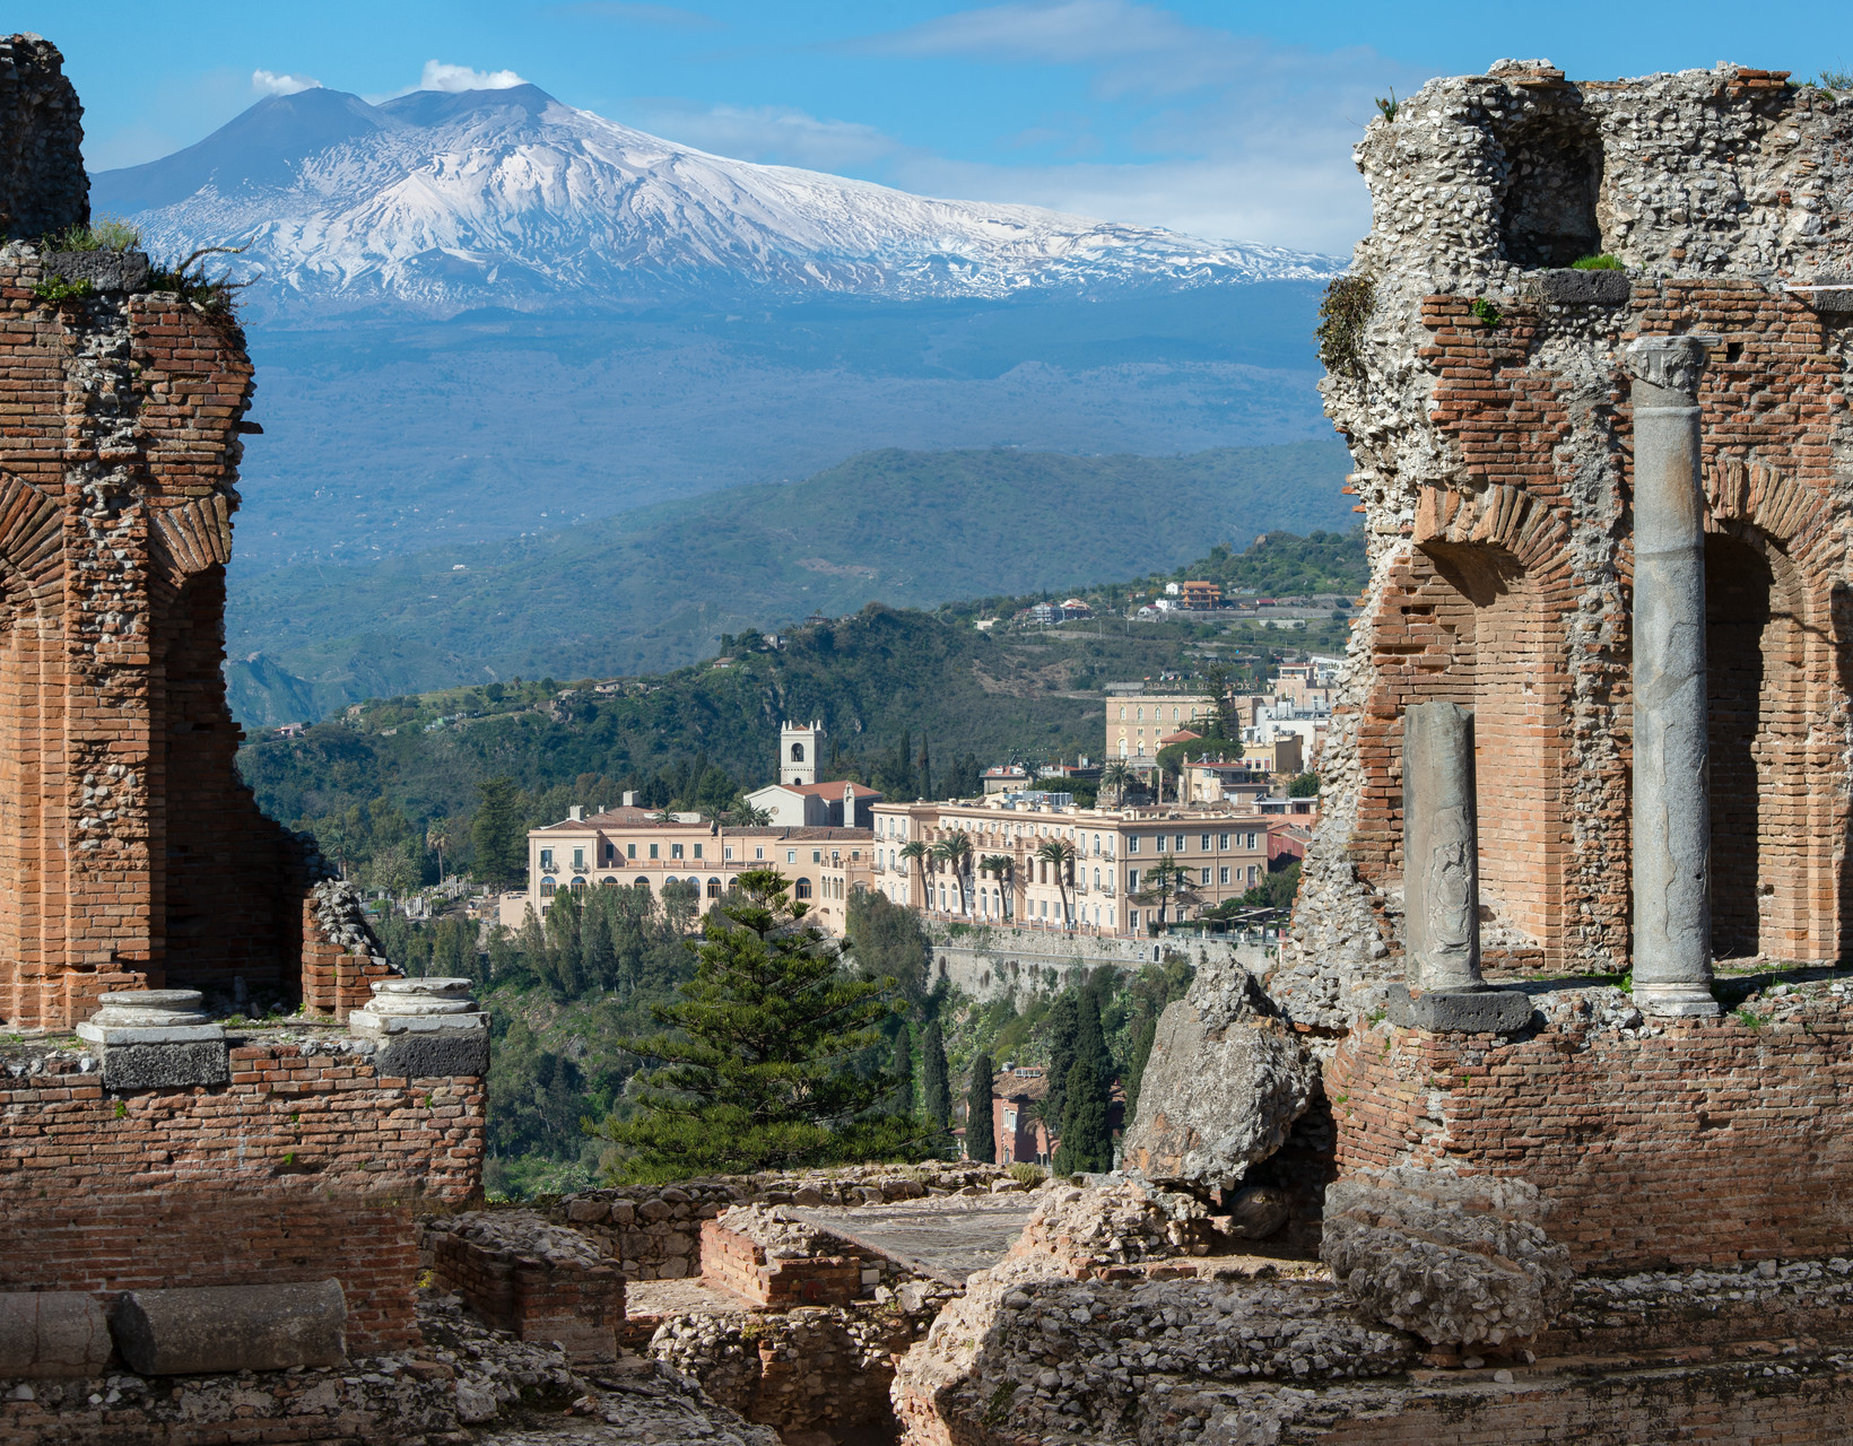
(759, 853)
(630, 850)
(1222, 840)
(1205, 844)
(1253, 873)
(727, 853)
(653, 848)
(1132, 879)
(1132, 844)
(791, 856)
(579, 858)
(697, 850)
(1206, 875)
(817, 856)
(546, 858)
(1132, 918)
(1251, 840)
(675, 851)
(1180, 843)
(1223, 875)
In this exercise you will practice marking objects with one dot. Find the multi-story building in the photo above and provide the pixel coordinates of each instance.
(1005, 879)
(1136, 721)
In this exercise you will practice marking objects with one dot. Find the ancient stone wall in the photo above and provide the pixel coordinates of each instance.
(42, 182)
(131, 854)
(309, 1164)
(1663, 1143)
(1490, 424)
(989, 963)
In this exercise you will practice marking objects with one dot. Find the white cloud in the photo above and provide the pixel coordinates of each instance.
(270, 82)
(773, 134)
(1060, 31)
(441, 75)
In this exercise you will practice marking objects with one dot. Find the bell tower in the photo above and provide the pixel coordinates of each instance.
(798, 747)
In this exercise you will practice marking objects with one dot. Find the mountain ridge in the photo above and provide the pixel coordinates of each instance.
(445, 201)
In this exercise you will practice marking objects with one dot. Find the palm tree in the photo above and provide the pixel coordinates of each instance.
(955, 852)
(1167, 882)
(997, 866)
(1116, 778)
(1059, 854)
(747, 815)
(437, 839)
(916, 853)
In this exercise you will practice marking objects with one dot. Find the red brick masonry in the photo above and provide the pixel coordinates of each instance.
(1705, 1143)
(307, 1165)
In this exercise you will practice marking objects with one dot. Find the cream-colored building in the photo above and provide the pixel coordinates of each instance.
(1224, 846)
(1136, 721)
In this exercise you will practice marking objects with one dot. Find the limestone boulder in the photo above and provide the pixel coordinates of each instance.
(1457, 1261)
(1224, 1085)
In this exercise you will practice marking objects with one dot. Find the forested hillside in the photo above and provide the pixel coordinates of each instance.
(656, 588)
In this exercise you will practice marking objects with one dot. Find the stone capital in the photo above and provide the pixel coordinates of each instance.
(1671, 363)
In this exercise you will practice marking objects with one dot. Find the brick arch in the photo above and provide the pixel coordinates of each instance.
(1775, 655)
(190, 537)
(1473, 613)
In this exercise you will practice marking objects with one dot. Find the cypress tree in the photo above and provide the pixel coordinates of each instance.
(759, 1055)
(1059, 1027)
(980, 1137)
(598, 959)
(935, 1087)
(1086, 1140)
(902, 1071)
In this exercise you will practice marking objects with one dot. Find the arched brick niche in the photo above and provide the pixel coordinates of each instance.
(1474, 614)
(1774, 667)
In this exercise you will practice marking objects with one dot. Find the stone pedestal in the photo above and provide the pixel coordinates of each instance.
(427, 1028)
(1672, 804)
(157, 1039)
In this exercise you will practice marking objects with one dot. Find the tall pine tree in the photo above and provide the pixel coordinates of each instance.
(758, 1062)
(499, 842)
(980, 1136)
(935, 1087)
(1058, 1028)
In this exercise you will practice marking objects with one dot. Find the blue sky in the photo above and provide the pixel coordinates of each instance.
(1223, 119)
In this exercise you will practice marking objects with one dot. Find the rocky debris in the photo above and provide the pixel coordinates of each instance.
(1224, 1085)
(340, 913)
(1099, 1232)
(521, 1232)
(1029, 1356)
(1457, 1261)
(780, 1234)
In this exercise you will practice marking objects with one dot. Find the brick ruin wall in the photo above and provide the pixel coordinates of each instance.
(131, 854)
(1489, 424)
(307, 1165)
(1681, 1144)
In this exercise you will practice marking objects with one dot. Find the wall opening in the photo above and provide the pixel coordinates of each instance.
(1553, 192)
(1769, 852)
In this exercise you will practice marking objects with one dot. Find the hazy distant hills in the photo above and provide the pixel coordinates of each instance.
(652, 589)
(484, 318)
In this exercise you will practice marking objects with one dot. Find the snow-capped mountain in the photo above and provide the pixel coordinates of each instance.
(446, 201)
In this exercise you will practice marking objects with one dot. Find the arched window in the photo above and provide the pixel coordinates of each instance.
(797, 753)
(804, 888)
(546, 888)
(579, 885)
(714, 888)
(607, 881)
(642, 883)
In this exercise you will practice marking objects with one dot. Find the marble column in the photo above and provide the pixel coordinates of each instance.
(1672, 802)
(1441, 865)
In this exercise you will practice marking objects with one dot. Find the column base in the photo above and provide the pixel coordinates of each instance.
(1676, 1001)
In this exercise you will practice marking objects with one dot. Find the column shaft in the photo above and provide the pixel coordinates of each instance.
(1672, 805)
(1441, 864)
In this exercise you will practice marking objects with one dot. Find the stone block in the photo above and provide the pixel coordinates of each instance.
(166, 1066)
(104, 270)
(438, 1054)
(232, 1328)
(52, 1333)
(1568, 287)
(1459, 1011)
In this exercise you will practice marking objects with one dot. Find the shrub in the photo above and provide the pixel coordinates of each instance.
(56, 291)
(1604, 262)
(1342, 317)
(1027, 1174)
(104, 234)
